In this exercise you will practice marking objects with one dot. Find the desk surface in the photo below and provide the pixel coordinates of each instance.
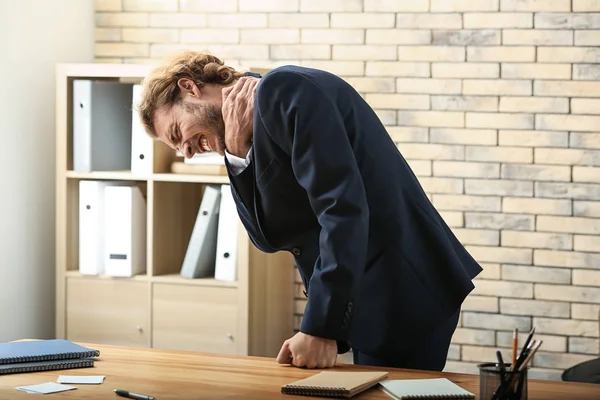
(168, 374)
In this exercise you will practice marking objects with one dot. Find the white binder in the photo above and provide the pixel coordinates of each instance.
(199, 260)
(101, 125)
(141, 143)
(91, 226)
(227, 238)
(125, 231)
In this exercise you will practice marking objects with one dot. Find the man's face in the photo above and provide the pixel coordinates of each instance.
(191, 126)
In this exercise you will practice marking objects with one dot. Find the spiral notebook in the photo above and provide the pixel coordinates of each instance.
(45, 365)
(334, 384)
(44, 355)
(434, 388)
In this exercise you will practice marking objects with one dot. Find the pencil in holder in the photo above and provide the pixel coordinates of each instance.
(497, 383)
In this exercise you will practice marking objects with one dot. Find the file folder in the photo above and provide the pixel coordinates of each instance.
(227, 237)
(199, 260)
(141, 143)
(91, 226)
(125, 231)
(101, 125)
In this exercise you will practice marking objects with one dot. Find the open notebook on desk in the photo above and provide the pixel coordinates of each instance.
(433, 388)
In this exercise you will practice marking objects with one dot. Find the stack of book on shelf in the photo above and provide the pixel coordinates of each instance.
(201, 164)
(44, 355)
(212, 249)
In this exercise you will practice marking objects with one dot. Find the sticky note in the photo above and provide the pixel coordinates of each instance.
(90, 380)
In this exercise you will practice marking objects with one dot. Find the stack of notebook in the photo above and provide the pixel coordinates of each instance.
(44, 355)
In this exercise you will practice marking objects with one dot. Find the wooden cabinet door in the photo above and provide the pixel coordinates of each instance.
(195, 318)
(108, 311)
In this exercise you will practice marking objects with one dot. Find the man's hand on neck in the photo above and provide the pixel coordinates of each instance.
(238, 115)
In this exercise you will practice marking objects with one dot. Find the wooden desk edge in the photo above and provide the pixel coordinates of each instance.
(455, 376)
(538, 388)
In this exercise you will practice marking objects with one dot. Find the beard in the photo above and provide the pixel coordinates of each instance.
(210, 117)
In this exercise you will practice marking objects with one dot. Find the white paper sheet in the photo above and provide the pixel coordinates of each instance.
(91, 380)
(46, 388)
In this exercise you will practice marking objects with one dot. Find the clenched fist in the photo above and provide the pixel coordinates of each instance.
(238, 115)
(308, 351)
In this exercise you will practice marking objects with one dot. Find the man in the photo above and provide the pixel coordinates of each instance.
(314, 172)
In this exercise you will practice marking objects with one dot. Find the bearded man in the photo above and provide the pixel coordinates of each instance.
(314, 172)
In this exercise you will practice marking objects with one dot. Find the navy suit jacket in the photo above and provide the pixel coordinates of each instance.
(327, 183)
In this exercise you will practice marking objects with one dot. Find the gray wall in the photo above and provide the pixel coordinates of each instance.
(34, 35)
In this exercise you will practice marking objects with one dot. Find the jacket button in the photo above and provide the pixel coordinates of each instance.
(296, 251)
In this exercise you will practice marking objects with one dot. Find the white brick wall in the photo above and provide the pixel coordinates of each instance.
(495, 105)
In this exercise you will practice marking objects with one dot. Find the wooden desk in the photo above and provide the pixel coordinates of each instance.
(185, 375)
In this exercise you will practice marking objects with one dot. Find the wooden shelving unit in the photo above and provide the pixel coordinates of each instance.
(251, 316)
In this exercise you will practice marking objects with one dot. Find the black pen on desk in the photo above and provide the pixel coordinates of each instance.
(130, 395)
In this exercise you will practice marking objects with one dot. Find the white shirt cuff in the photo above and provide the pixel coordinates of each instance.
(238, 164)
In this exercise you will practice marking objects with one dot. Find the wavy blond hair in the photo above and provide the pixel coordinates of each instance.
(160, 87)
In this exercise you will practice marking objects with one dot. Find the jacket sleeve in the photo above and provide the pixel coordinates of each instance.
(306, 123)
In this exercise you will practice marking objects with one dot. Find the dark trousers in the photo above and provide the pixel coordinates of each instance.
(429, 354)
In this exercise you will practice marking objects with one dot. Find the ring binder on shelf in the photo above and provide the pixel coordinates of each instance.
(200, 256)
(101, 125)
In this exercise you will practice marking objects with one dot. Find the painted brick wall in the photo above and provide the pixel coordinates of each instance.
(495, 104)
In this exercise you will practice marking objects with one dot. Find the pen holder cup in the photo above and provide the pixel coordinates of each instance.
(492, 386)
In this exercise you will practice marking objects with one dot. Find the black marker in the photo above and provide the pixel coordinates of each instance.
(129, 395)
(501, 365)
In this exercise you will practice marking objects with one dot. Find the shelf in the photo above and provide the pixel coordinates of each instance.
(159, 307)
(110, 175)
(177, 279)
(106, 70)
(167, 278)
(167, 177)
(76, 274)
